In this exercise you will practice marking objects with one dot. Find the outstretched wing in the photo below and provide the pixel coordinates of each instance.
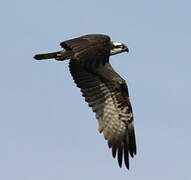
(110, 102)
(96, 46)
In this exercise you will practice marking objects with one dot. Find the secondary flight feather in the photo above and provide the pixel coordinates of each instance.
(105, 91)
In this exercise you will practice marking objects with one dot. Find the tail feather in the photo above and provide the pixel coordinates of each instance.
(59, 55)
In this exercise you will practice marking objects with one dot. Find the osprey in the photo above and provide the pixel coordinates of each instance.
(103, 88)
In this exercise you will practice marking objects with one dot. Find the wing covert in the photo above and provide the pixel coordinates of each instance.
(91, 50)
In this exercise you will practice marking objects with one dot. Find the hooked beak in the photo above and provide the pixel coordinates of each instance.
(126, 49)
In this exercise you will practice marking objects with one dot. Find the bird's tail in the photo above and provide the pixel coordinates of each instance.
(59, 55)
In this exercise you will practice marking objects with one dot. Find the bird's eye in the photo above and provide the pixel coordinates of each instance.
(118, 46)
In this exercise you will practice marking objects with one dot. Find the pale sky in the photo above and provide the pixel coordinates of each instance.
(48, 132)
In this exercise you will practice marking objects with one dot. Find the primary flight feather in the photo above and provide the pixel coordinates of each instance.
(105, 91)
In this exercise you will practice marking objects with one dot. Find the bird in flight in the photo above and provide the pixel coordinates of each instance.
(105, 91)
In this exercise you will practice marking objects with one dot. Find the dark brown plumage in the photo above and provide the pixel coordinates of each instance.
(104, 90)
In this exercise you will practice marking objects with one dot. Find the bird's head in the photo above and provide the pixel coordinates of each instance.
(117, 47)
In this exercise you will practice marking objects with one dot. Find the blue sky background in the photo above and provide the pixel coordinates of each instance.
(47, 131)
